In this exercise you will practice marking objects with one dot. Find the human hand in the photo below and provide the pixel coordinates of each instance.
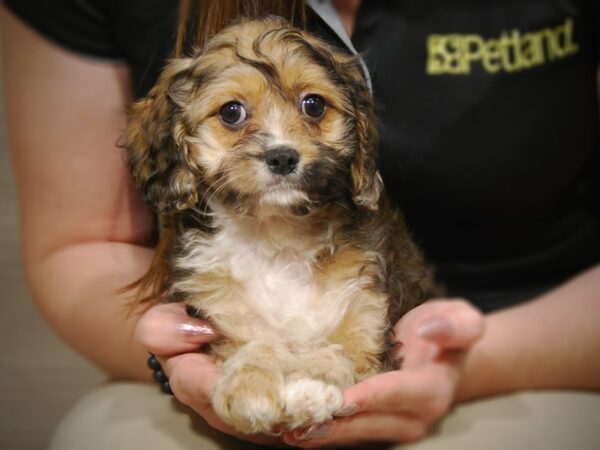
(176, 339)
(402, 404)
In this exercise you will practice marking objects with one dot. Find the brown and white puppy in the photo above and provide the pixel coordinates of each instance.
(258, 155)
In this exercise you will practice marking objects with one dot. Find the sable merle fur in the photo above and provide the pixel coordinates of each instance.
(303, 274)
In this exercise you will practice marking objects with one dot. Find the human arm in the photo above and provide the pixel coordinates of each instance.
(546, 343)
(84, 230)
(86, 233)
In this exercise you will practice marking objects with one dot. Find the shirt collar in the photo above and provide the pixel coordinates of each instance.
(326, 11)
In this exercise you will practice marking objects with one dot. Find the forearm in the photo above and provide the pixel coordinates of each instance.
(76, 288)
(551, 342)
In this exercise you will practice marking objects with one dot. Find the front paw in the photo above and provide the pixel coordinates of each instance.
(309, 401)
(250, 399)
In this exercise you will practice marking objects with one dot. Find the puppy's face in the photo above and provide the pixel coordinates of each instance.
(266, 119)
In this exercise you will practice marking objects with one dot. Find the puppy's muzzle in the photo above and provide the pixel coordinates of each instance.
(282, 160)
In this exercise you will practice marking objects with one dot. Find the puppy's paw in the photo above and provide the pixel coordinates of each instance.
(250, 399)
(309, 401)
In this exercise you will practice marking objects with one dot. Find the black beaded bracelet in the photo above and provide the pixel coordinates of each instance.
(159, 375)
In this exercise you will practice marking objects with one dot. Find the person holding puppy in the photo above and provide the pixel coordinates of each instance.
(489, 126)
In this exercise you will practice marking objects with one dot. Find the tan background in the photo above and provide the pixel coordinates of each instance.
(39, 377)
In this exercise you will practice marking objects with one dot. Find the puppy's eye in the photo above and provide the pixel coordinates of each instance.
(233, 113)
(313, 106)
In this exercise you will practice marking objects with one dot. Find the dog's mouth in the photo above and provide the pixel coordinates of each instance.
(291, 181)
(284, 197)
(283, 192)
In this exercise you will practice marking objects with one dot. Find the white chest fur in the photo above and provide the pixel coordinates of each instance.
(271, 290)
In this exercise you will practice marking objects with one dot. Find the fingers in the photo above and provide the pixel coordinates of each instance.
(361, 428)
(425, 393)
(449, 323)
(452, 324)
(396, 406)
(167, 330)
(191, 377)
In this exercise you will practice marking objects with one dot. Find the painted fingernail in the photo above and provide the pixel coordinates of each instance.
(346, 410)
(436, 327)
(191, 329)
(318, 431)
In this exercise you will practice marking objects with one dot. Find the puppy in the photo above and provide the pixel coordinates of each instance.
(258, 156)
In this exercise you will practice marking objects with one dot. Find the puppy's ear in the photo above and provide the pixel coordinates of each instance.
(156, 144)
(366, 180)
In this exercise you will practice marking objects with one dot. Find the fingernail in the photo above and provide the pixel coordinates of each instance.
(318, 431)
(397, 351)
(191, 329)
(346, 410)
(436, 328)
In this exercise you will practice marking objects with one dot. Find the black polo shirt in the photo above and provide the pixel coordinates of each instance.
(489, 122)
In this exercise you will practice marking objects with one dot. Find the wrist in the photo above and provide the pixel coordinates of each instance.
(489, 367)
(477, 375)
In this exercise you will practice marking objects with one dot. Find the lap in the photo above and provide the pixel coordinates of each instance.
(552, 420)
(127, 415)
(121, 416)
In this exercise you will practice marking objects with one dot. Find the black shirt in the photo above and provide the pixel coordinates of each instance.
(489, 122)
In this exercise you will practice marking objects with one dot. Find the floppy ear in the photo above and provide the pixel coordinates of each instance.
(366, 180)
(346, 71)
(156, 145)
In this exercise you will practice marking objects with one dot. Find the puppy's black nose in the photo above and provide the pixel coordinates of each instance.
(282, 160)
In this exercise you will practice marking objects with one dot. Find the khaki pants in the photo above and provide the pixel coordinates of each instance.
(133, 416)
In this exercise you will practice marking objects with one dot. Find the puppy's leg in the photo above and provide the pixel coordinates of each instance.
(362, 333)
(250, 394)
(313, 392)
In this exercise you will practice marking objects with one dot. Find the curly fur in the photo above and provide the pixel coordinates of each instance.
(303, 274)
